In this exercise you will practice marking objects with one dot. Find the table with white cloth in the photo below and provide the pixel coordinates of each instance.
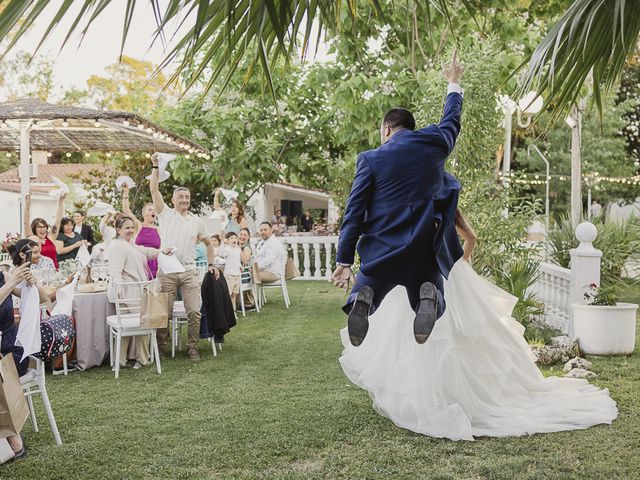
(90, 312)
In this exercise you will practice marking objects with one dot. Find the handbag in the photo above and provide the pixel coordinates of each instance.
(57, 335)
(154, 311)
(13, 404)
(290, 269)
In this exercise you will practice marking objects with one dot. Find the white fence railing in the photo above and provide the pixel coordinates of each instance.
(313, 256)
(553, 288)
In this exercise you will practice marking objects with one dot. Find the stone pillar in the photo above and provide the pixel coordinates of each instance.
(585, 265)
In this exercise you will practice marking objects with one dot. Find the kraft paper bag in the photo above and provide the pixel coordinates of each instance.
(13, 404)
(154, 311)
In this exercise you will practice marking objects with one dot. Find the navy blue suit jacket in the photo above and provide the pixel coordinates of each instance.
(400, 193)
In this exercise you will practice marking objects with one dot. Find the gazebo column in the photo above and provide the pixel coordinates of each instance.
(25, 171)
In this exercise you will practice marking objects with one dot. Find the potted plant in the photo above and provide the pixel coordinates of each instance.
(604, 326)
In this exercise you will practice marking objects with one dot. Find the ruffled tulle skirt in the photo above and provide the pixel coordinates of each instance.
(474, 376)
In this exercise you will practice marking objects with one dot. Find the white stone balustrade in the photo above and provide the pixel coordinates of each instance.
(559, 287)
(312, 266)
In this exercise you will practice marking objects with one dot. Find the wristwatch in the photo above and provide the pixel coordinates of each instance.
(343, 264)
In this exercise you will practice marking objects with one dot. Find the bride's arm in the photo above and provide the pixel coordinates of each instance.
(467, 233)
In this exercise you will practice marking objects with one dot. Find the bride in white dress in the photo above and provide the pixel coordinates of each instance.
(474, 376)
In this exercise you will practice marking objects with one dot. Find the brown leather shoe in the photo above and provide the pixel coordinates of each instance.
(193, 355)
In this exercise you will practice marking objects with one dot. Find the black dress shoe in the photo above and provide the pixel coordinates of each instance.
(358, 322)
(427, 312)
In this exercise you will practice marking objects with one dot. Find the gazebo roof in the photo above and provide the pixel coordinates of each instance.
(60, 128)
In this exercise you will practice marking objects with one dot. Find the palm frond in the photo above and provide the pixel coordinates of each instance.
(223, 33)
(590, 42)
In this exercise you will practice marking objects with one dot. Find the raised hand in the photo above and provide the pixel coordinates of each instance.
(453, 72)
(154, 159)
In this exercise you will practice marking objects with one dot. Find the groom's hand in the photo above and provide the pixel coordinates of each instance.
(342, 276)
(453, 72)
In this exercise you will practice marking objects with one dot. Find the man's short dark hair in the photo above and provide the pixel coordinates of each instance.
(230, 234)
(80, 212)
(399, 117)
(266, 223)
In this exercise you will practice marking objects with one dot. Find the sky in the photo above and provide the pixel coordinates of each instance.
(99, 48)
(101, 45)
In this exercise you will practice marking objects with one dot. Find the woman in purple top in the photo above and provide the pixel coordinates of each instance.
(148, 235)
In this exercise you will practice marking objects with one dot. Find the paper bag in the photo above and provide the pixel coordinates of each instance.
(13, 405)
(154, 311)
(290, 270)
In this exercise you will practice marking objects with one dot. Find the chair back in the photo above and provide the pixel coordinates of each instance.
(128, 295)
(202, 268)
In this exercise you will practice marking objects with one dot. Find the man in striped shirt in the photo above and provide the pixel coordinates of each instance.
(182, 230)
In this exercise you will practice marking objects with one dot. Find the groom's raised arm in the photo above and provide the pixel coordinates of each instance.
(449, 125)
(351, 227)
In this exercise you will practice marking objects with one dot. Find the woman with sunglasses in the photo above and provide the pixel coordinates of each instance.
(38, 229)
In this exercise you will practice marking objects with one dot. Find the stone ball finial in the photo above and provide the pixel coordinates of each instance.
(586, 232)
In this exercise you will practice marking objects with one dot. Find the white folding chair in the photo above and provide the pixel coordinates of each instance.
(33, 382)
(281, 284)
(247, 285)
(126, 321)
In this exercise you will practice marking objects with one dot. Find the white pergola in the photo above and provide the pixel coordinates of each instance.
(29, 124)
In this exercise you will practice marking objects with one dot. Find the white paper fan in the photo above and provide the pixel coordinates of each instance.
(229, 194)
(123, 180)
(99, 209)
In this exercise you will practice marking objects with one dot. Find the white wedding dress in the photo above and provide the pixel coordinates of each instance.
(474, 376)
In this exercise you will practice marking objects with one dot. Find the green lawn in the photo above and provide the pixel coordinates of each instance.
(275, 404)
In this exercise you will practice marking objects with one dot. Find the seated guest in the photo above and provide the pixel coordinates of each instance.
(85, 231)
(269, 261)
(147, 234)
(244, 238)
(39, 261)
(68, 241)
(9, 329)
(10, 284)
(307, 221)
(38, 229)
(128, 263)
(243, 241)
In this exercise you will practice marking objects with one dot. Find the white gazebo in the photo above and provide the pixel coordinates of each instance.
(30, 125)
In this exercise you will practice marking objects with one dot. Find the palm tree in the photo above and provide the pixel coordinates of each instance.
(594, 37)
(590, 43)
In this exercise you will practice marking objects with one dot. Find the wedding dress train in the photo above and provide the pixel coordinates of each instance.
(473, 377)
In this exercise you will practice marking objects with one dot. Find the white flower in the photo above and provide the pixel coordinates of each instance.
(198, 134)
(367, 95)
(250, 143)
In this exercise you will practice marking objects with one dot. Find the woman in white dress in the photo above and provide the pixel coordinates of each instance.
(475, 375)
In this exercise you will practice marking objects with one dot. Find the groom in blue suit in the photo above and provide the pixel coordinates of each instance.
(401, 209)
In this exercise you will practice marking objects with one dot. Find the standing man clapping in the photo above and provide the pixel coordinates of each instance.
(181, 229)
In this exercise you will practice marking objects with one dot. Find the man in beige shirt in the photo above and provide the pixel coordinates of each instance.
(182, 230)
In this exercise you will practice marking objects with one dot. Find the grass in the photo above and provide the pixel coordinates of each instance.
(275, 404)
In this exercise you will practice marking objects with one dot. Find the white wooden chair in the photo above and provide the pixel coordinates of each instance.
(247, 285)
(126, 322)
(32, 383)
(281, 284)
